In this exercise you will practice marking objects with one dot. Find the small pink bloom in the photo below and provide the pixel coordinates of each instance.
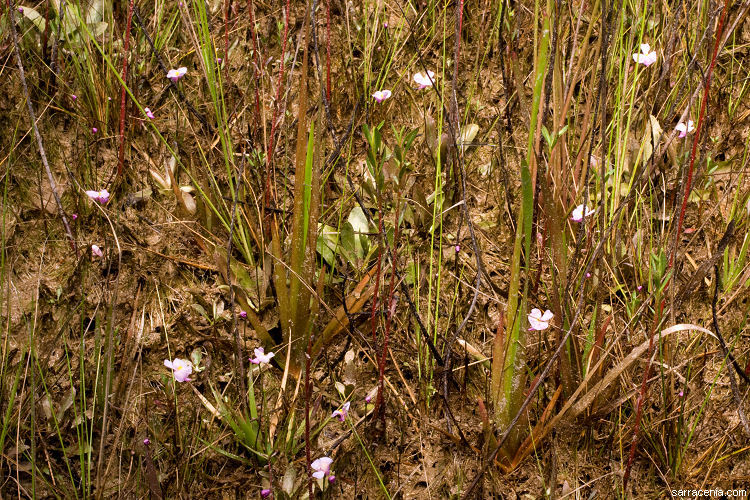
(181, 369)
(342, 412)
(681, 393)
(646, 56)
(331, 479)
(265, 493)
(149, 113)
(261, 358)
(685, 129)
(538, 320)
(458, 248)
(243, 314)
(96, 251)
(580, 212)
(74, 96)
(74, 216)
(368, 399)
(382, 95)
(639, 287)
(20, 9)
(588, 275)
(176, 74)
(94, 130)
(322, 467)
(219, 60)
(424, 80)
(147, 441)
(100, 196)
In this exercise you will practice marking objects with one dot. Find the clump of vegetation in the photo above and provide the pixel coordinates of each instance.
(377, 250)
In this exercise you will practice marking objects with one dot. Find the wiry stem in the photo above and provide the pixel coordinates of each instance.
(32, 116)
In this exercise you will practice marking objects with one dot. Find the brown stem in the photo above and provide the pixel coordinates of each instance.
(126, 48)
(32, 117)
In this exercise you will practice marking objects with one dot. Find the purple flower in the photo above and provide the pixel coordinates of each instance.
(181, 369)
(94, 130)
(243, 314)
(96, 251)
(149, 113)
(458, 248)
(74, 96)
(265, 493)
(147, 441)
(424, 80)
(685, 129)
(100, 196)
(382, 95)
(261, 358)
(74, 216)
(646, 56)
(342, 412)
(538, 320)
(176, 74)
(322, 467)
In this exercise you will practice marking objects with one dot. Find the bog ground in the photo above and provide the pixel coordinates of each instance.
(374, 249)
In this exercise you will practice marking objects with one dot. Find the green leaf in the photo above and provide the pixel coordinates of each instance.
(35, 17)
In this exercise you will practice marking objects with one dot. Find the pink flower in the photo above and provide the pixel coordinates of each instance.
(74, 96)
(580, 212)
(342, 412)
(382, 95)
(243, 314)
(147, 441)
(538, 320)
(181, 369)
(458, 248)
(322, 467)
(94, 130)
(96, 251)
(100, 196)
(423, 80)
(149, 113)
(74, 216)
(261, 358)
(682, 393)
(646, 56)
(265, 493)
(176, 74)
(685, 129)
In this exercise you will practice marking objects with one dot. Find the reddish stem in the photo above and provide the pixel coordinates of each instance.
(121, 155)
(258, 67)
(686, 194)
(307, 419)
(328, 50)
(696, 137)
(227, 7)
(391, 310)
(373, 316)
(269, 154)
